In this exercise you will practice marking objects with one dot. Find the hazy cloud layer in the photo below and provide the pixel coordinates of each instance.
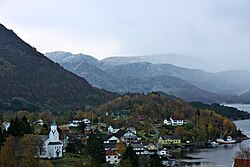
(217, 31)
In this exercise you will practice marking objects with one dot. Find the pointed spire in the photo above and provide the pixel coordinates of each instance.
(53, 122)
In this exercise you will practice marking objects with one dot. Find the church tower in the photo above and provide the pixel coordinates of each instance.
(53, 135)
(52, 147)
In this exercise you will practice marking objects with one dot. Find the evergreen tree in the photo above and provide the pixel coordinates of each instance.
(26, 128)
(131, 156)
(2, 138)
(95, 149)
(74, 145)
(19, 127)
(155, 161)
(81, 127)
(15, 128)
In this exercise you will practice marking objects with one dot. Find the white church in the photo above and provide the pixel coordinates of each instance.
(51, 147)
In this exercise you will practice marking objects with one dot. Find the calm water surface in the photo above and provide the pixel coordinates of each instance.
(222, 156)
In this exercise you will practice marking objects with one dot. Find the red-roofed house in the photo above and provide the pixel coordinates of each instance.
(112, 158)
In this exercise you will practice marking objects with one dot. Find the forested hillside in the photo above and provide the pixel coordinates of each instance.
(28, 74)
(229, 112)
(146, 111)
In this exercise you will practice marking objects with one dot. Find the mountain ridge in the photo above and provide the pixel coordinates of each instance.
(37, 79)
(142, 77)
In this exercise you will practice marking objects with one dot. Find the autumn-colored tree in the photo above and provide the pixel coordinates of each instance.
(210, 129)
(32, 117)
(22, 113)
(29, 150)
(21, 152)
(9, 153)
(229, 126)
(79, 115)
(120, 146)
(46, 117)
(7, 116)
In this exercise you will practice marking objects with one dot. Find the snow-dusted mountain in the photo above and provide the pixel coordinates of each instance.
(122, 77)
(174, 59)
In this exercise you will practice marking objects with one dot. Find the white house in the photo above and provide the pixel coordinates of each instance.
(76, 123)
(52, 147)
(86, 121)
(137, 147)
(132, 129)
(163, 152)
(127, 136)
(110, 139)
(113, 129)
(112, 157)
(5, 125)
(39, 122)
(173, 122)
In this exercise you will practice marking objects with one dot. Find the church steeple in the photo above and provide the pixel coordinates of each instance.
(53, 135)
(53, 122)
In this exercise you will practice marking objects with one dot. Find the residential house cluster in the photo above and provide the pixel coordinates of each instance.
(172, 122)
(76, 123)
(52, 147)
(130, 137)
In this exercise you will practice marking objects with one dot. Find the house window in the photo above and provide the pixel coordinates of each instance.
(108, 156)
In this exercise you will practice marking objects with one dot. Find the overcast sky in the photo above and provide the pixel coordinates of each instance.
(216, 31)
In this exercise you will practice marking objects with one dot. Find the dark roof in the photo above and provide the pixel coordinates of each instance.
(110, 145)
(115, 127)
(120, 133)
(106, 137)
(55, 143)
(165, 137)
(42, 138)
(136, 145)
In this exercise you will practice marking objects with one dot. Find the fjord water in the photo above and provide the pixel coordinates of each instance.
(222, 156)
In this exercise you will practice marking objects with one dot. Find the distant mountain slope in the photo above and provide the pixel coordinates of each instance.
(29, 74)
(234, 82)
(63, 57)
(174, 59)
(87, 67)
(245, 97)
(228, 82)
(142, 78)
(171, 86)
